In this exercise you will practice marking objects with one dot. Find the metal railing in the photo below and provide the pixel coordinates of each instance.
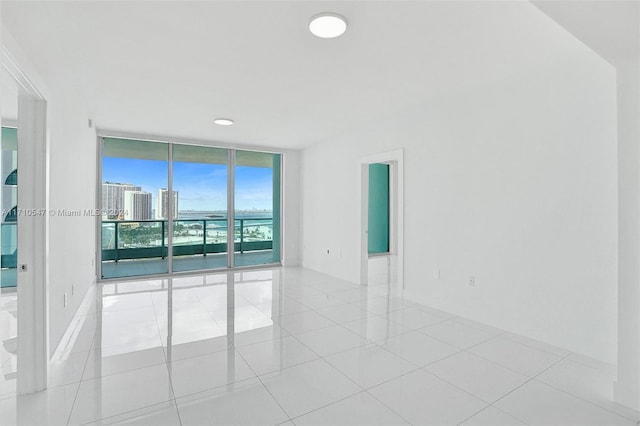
(141, 239)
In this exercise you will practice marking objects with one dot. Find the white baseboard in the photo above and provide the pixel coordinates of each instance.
(627, 396)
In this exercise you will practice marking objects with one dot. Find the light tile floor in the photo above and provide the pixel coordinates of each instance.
(296, 347)
(8, 341)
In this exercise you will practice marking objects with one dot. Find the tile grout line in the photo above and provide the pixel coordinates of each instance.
(385, 405)
(341, 324)
(331, 365)
(193, 394)
(209, 313)
(112, 417)
(155, 314)
(122, 372)
(345, 398)
(367, 341)
(455, 346)
(460, 423)
(521, 385)
(126, 372)
(531, 346)
(386, 350)
(164, 353)
(75, 399)
(490, 404)
(581, 398)
(339, 372)
(263, 385)
(496, 408)
(511, 369)
(593, 367)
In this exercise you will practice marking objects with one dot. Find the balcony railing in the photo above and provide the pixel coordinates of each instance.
(141, 239)
(9, 256)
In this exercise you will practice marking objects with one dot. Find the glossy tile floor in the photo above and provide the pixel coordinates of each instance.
(296, 347)
(8, 341)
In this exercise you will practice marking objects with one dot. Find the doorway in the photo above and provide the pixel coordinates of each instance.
(23, 320)
(381, 220)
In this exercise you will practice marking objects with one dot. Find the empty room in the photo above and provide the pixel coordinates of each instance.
(309, 212)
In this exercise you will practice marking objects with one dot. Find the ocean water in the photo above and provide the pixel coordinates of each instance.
(223, 215)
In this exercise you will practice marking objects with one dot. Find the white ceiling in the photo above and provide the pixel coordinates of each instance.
(170, 67)
(609, 27)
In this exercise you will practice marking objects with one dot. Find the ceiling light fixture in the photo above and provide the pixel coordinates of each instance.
(328, 25)
(224, 121)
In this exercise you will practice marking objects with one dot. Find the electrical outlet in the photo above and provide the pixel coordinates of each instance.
(472, 281)
(436, 274)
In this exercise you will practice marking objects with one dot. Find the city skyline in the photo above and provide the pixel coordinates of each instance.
(201, 187)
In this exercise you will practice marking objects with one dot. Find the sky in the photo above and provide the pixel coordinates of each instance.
(200, 187)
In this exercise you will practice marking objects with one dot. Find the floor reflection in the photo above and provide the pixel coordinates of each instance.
(8, 341)
(183, 335)
(289, 344)
(186, 313)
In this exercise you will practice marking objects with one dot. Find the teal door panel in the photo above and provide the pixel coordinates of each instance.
(378, 208)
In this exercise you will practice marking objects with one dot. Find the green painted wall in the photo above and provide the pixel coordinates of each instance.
(378, 208)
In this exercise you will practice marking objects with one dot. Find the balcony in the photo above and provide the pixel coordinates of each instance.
(197, 244)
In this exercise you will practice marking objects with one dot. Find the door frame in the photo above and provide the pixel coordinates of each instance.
(395, 160)
(32, 274)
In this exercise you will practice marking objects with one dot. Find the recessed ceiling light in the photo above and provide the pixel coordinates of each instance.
(224, 121)
(328, 25)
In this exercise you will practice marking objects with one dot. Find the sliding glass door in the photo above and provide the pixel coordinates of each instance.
(257, 208)
(134, 240)
(199, 207)
(169, 207)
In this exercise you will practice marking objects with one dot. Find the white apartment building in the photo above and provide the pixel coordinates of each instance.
(137, 205)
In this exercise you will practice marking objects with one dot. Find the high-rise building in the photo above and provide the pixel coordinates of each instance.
(113, 198)
(137, 205)
(162, 204)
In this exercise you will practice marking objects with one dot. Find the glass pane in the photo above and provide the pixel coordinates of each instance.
(10, 360)
(200, 206)
(9, 232)
(257, 208)
(134, 240)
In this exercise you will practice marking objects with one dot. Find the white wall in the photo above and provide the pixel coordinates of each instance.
(627, 388)
(71, 186)
(612, 29)
(513, 182)
(291, 208)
